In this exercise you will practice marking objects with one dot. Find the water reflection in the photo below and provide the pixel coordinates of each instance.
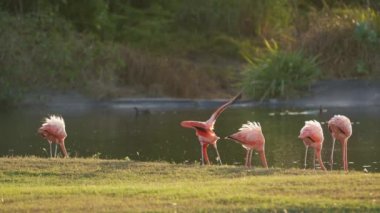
(157, 135)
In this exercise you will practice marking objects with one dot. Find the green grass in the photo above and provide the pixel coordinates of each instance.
(34, 184)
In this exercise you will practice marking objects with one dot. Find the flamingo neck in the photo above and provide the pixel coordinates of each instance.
(263, 159)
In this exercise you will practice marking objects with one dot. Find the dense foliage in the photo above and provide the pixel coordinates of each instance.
(278, 73)
(179, 48)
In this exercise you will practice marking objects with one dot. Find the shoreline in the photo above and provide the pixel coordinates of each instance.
(328, 93)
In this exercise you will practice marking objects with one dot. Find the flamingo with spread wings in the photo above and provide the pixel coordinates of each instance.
(204, 130)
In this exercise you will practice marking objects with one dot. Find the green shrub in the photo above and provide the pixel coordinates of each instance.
(346, 42)
(279, 74)
(365, 33)
(367, 27)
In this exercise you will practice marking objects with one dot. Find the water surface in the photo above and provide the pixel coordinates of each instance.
(114, 132)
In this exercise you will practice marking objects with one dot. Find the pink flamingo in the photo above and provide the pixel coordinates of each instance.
(53, 130)
(205, 130)
(251, 138)
(341, 130)
(312, 135)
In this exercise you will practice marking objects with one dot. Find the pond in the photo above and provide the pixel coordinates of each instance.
(155, 135)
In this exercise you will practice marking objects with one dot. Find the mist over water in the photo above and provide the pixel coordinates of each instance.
(156, 134)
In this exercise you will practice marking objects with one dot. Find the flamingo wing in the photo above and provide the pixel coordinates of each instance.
(249, 135)
(312, 130)
(194, 124)
(51, 133)
(211, 121)
(240, 137)
(342, 124)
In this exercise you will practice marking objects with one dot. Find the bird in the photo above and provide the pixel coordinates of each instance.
(53, 130)
(141, 111)
(204, 130)
(251, 137)
(312, 135)
(341, 129)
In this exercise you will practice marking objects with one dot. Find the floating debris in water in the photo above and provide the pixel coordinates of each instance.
(357, 122)
(291, 113)
(351, 162)
(374, 162)
(306, 112)
(366, 166)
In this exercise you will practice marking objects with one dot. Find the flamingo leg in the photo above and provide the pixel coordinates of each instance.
(250, 158)
(307, 147)
(202, 160)
(332, 155)
(55, 153)
(263, 159)
(217, 153)
(205, 155)
(315, 155)
(246, 158)
(51, 152)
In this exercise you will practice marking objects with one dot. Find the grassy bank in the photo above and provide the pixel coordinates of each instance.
(35, 184)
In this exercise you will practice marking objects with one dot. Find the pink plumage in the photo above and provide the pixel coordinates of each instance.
(251, 137)
(341, 129)
(312, 130)
(312, 135)
(204, 130)
(53, 130)
(343, 124)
